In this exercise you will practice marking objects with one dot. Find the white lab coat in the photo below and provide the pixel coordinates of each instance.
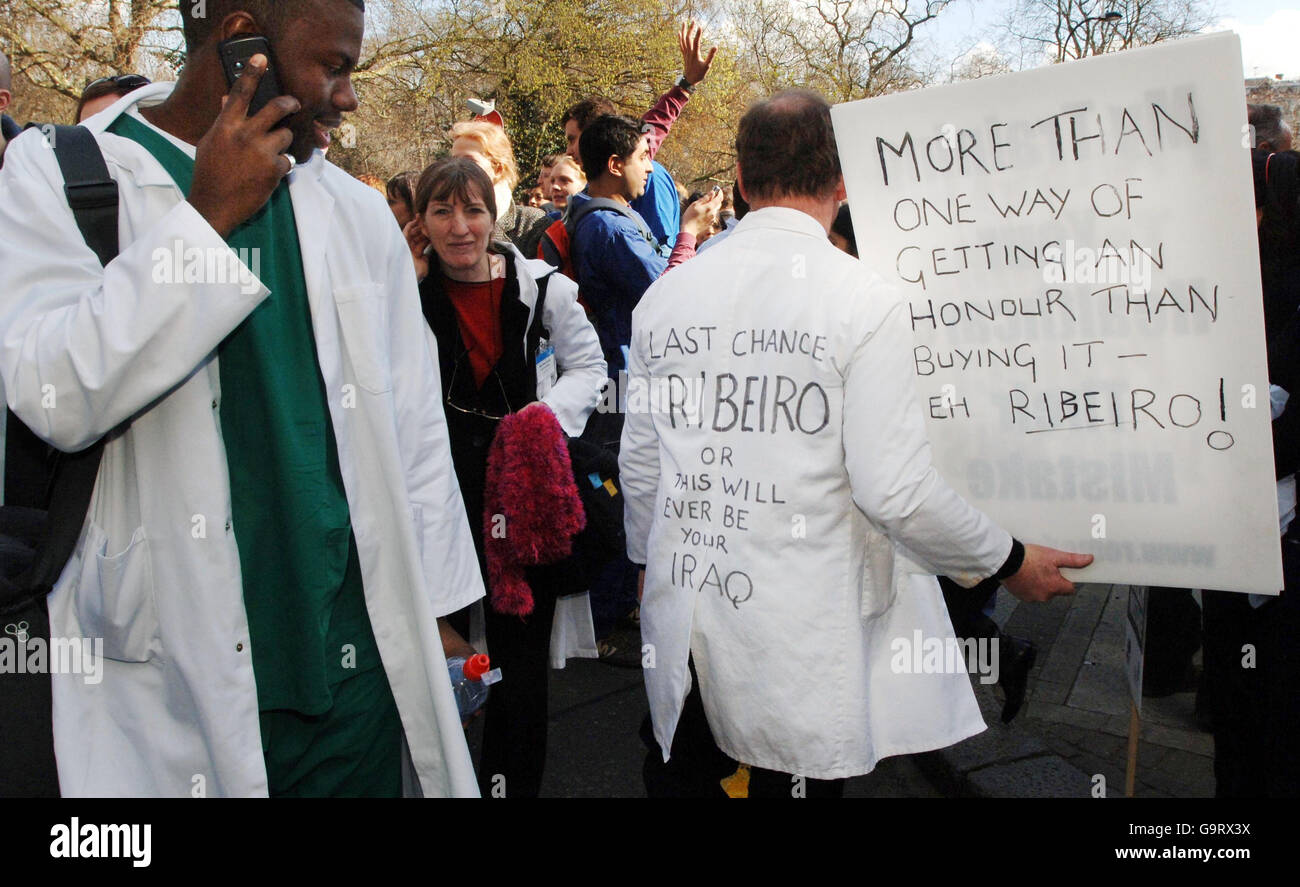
(794, 635)
(156, 574)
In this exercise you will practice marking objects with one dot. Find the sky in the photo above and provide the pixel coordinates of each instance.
(1269, 31)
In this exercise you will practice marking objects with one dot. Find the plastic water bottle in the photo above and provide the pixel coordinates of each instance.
(470, 679)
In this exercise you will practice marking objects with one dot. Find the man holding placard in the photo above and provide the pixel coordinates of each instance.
(780, 493)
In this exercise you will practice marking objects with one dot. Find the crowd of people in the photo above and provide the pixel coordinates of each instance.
(405, 432)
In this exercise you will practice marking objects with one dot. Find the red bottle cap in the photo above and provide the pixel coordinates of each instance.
(476, 666)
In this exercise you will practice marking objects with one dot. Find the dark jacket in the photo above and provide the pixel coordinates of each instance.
(523, 226)
(512, 385)
(8, 130)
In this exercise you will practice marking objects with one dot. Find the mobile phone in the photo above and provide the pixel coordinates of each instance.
(235, 54)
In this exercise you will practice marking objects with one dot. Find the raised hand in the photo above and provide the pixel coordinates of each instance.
(417, 242)
(695, 65)
(700, 215)
(240, 160)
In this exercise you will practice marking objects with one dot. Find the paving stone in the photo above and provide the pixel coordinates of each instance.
(1187, 740)
(1070, 649)
(1048, 691)
(1100, 684)
(1149, 755)
(1116, 725)
(1065, 714)
(1113, 776)
(1181, 763)
(1049, 776)
(1176, 784)
(1039, 622)
(996, 744)
(1000, 742)
(1076, 720)
(1200, 785)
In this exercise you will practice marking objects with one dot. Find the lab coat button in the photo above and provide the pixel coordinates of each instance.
(239, 648)
(214, 403)
(227, 525)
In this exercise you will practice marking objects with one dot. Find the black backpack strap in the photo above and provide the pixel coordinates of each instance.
(597, 204)
(92, 195)
(91, 191)
(537, 329)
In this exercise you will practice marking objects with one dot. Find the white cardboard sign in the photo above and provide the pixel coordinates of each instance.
(1077, 244)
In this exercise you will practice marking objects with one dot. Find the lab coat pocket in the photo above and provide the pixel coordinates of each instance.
(878, 576)
(363, 319)
(115, 597)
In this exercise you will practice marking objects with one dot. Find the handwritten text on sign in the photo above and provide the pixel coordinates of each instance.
(1077, 246)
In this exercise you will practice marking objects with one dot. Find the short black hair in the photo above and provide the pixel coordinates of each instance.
(786, 146)
(610, 135)
(587, 110)
(270, 14)
(457, 177)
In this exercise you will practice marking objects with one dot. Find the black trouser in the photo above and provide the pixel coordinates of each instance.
(697, 766)
(514, 728)
(1173, 635)
(1252, 668)
(966, 607)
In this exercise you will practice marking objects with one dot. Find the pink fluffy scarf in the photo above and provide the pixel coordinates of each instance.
(531, 507)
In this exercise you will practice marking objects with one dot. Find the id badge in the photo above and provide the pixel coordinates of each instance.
(545, 365)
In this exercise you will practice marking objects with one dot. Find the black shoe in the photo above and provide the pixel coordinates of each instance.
(1017, 655)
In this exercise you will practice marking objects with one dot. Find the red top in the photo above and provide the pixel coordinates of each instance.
(478, 313)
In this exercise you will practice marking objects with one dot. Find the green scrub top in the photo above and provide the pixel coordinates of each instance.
(308, 624)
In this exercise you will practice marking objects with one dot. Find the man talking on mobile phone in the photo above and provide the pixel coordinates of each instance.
(276, 526)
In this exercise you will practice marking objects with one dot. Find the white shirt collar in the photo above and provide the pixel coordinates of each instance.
(782, 218)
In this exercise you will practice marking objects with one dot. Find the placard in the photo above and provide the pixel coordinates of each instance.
(1077, 244)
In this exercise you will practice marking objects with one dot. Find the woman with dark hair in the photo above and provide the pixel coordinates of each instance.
(401, 197)
(101, 93)
(510, 335)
